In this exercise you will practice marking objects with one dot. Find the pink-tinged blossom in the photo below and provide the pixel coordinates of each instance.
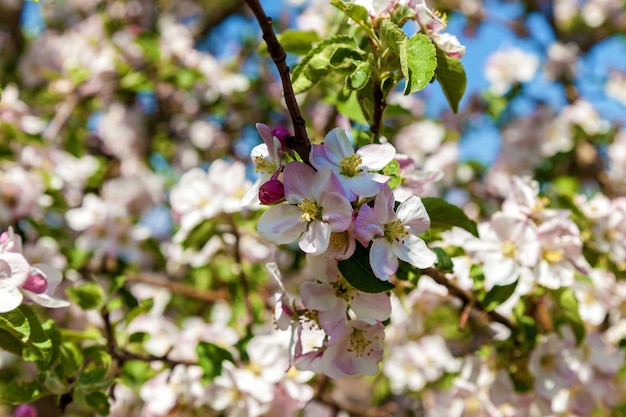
(272, 191)
(432, 23)
(411, 365)
(413, 181)
(507, 244)
(315, 208)
(266, 158)
(561, 253)
(179, 388)
(395, 235)
(355, 348)
(22, 282)
(355, 170)
(331, 295)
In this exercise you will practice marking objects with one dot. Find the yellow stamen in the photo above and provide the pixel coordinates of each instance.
(358, 343)
(311, 210)
(553, 256)
(350, 165)
(396, 231)
(264, 165)
(509, 249)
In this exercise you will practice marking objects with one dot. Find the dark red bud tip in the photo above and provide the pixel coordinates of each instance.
(36, 283)
(280, 132)
(271, 192)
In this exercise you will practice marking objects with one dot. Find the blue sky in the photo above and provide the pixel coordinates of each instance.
(480, 140)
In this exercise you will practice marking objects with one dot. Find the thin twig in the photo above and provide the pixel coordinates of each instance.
(300, 142)
(180, 288)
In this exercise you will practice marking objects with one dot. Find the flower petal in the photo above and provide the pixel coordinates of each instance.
(318, 296)
(415, 252)
(376, 156)
(281, 224)
(336, 211)
(297, 179)
(337, 145)
(412, 213)
(316, 238)
(383, 260)
(366, 225)
(363, 185)
(10, 299)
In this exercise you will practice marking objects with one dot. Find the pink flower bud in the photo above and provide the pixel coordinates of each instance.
(280, 133)
(36, 282)
(271, 192)
(25, 410)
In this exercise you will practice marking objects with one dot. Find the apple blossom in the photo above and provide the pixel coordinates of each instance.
(314, 209)
(355, 170)
(394, 234)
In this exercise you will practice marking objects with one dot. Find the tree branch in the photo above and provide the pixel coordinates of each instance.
(466, 298)
(300, 142)
(179, 288)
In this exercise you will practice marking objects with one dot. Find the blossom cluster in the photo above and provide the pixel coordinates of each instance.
(338, 201)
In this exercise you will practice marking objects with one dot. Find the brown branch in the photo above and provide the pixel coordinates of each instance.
(466, 298)
(180, 288)
(300, 142)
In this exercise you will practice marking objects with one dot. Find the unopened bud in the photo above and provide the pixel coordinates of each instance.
(280, 133)
(271, 192)
(36, 283)
(25, 410)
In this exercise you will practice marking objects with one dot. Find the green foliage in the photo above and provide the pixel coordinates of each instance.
(452, 79)
(418, 63)
(298, 41)
(23, 334)
(444, 216)
(498, 295)
(89, 296)
(315, 65)
(358, 272)
(567, 312)
(355, 12)
(210, 358)
(444, 263)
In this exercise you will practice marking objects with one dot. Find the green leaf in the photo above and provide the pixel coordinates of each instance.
(445, 216)
(144, 307)
(89, 296)
(568, 312)
(315, 65)
(360, 76)
(393, 36)
(24, 326)
(444, 263)
(355, 12)
(99, 402)
(345, 59)
(71, 358)
(498, 295)
(210, 358)
(452, 79)
(418, 63)
(20, 392)
(298, 41)
(358, 272)
(351, 108)
(98, 361)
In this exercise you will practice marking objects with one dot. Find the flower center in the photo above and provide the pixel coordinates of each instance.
(264, 165)
(311, 210)
(339, 239)
(553, 256)
(359, 343)
(509, 249)
(396, 231)
(350, 165)
(343, 290)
